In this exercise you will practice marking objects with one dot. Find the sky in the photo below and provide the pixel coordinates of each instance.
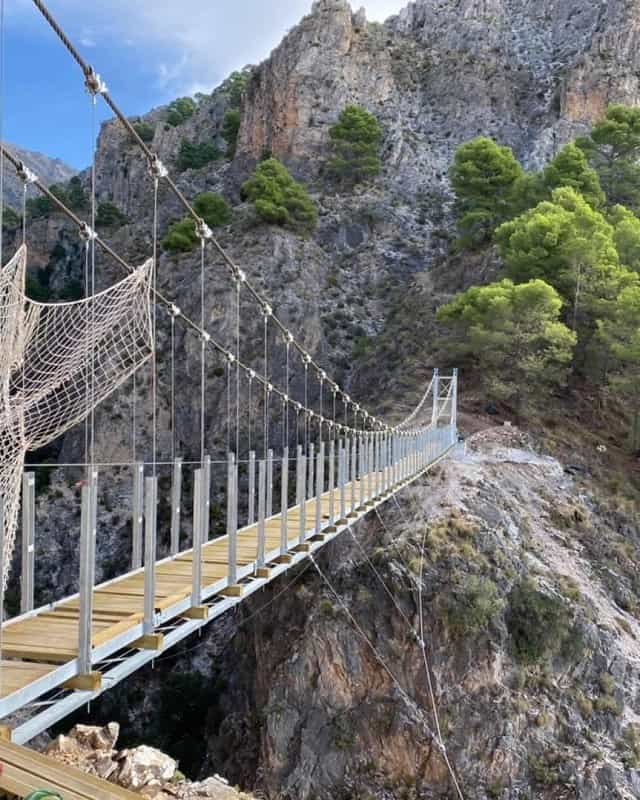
(147, 51)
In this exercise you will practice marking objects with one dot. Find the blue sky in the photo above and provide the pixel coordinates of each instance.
(148, 52)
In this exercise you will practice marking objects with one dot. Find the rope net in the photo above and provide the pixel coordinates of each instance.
(58, 361)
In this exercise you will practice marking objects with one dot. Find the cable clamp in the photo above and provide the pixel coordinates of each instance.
(306, 358)
(157, 168)
(347, 398)
(231, 358)
(298, 407)
(94, 83)
(252, 374)
(206, 337)
(267, 310)
(175, 311)
(310, 413)
(285, 398)
(25, 174)
(203, 230)
(241, 276)
(87, 233)
(357, 406)
(269, 388)
(323, 375)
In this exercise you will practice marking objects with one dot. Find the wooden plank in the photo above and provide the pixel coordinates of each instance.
(90, 682)
(67, 780)
(18, 674)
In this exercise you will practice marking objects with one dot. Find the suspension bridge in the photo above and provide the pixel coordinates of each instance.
(334, 462)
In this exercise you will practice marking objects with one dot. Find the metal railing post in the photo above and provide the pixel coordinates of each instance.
(137, 512)
(196, 552)
(454, 402)
(341, 481)
(302, 494)
(269, 485)
(262, 497)
(176, 500)
(354, 471)
(88, 535)
(362, 466)
(206, 499)
(311, 464)
(332, 477)
(150, 539)
(232, 518)
(28, 541)
(319, 486)
(284, 503)
(435, 413)
(252, 488)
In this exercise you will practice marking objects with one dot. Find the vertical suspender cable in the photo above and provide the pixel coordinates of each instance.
(87, 292)
(286, 389)
(202, 354)
(238, 287)
(266, 386)
(250, 410)
(93, 271)
(154, 356)
(228, 371)
(173, 388)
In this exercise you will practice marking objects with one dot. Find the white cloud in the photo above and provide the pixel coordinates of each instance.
(191, 43)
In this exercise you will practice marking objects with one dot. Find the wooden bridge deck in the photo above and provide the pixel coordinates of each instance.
(40, 666)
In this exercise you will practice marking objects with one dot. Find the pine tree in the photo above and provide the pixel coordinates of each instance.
(485, 177)
(279, 199)
(355, 142)
(514, 334)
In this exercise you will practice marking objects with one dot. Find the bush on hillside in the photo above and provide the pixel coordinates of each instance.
(180, 110)
(279, 199)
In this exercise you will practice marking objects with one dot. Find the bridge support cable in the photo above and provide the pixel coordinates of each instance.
(97, 86)
(171, 308)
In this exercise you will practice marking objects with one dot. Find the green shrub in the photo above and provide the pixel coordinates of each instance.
(235, 86)
(41, 206)
(180, 110)
(355, 144)
(76, 196)
(181, 236)
(213, 209)
(145, 131)
(10, 220)
(473, 605)
(109, 216)
(230, 130)
(278, 199)
(195, 155)
(538, 623)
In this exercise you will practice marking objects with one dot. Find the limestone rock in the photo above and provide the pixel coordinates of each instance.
(141, 766)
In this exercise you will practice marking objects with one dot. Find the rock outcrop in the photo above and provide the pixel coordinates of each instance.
(142, 769)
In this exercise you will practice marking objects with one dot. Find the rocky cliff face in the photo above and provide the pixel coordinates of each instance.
(49, 170)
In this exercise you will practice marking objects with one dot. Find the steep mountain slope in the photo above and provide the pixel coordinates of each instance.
(49, 170)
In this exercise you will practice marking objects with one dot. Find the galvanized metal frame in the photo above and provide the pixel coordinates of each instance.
(137, 515)
(27, 577)
(176, 506)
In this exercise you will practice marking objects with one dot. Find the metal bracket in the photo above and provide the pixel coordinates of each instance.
(25, 174)
(94, 83)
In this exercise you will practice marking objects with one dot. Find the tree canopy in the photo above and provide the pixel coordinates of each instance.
(621, 333)
(567, 243)
(484, 177)
(613, 149)
(278, 198)
(516, 325)
(355, 143)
